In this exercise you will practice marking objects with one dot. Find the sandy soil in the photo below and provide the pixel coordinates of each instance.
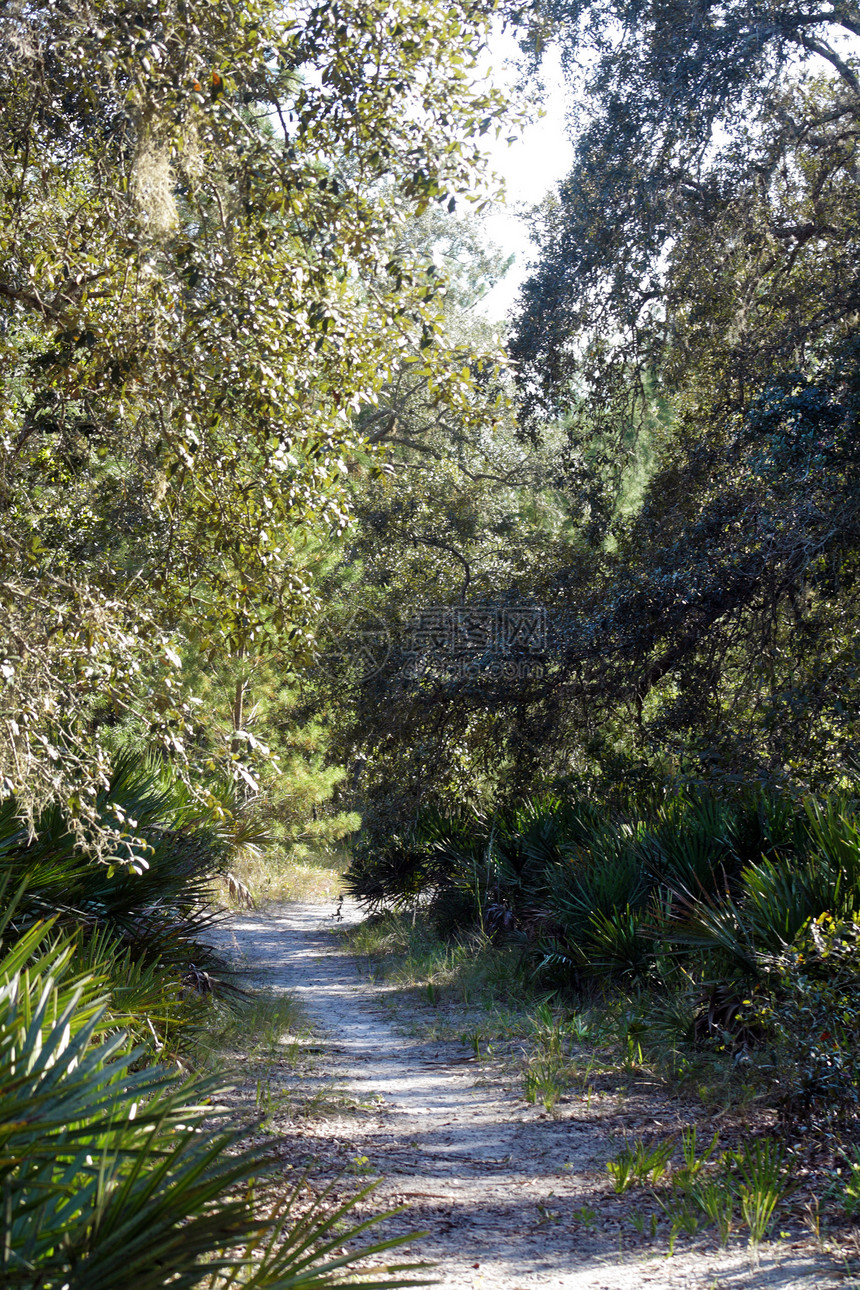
(511, 1197)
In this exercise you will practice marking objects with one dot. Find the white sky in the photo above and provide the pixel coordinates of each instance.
(530, 167)
(544, 155)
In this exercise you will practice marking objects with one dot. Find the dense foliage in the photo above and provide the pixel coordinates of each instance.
(196, 304)
(735, 916)
(678, 490)
(691, 321)
(204, 287)
(572, 635)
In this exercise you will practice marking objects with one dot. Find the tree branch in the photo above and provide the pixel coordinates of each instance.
(824, 51)
(444, 546)
(28, 299)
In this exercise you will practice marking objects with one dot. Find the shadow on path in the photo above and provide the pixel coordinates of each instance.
(497, 1185)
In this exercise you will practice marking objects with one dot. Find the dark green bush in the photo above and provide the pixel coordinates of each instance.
(151, 886)
(778, 896)
(808, 1008)
(136, 899)
(705, 883)
(394, 872)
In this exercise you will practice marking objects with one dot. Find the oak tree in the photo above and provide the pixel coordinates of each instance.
(197, 299)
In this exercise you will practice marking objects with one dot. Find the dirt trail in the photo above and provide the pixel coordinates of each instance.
(513, 1199)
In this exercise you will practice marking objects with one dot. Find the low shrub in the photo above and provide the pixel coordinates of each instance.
(808, 1011)
(138, 898)
(694, 899)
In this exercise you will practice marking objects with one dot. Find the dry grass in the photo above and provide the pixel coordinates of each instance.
(273, 877)
(258, 1028)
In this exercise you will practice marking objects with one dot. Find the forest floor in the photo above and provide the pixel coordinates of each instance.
(511, 1197)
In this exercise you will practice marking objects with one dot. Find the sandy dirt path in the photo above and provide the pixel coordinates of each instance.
(513, 1199)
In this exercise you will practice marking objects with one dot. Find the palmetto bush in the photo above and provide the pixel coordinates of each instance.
(689, 846)
(599, 898)
(139, 910)
(116, 1176)
(729, 923)
(392, 872)
(441, 856)
(777, 897)
(497, 863)
(699, 885)
(150, 887)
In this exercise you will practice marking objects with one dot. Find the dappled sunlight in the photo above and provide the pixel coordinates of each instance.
(511, 1196)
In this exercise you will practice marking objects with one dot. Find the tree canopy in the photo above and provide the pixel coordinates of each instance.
(679, 489)
(200, 290)
(691, 319)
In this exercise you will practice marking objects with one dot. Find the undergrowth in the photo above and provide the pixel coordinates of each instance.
(260, 1025)
(121, 1161)
(274, 876)
(565, 1048)
(470, 971)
